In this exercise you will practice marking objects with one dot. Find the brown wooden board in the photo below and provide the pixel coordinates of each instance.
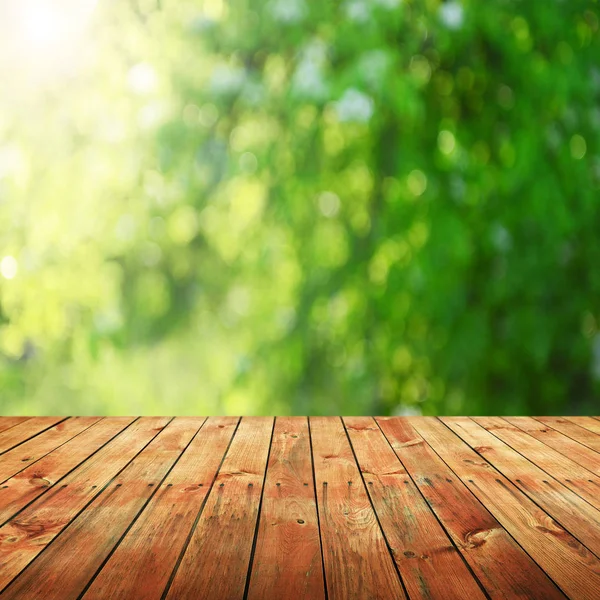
(322, 508)
(215, 563)
(93, 534)
(572, 512)
(29, 532)
(29, 452)
(572, 475)
(287, 560)
(358, 562)
(501, 565)
(589, 423)
(34, 480)
(570, 565)
(574, 431)
(8, 422)
(21, 432)
(575, 451)
(430, 565)
(142, 564)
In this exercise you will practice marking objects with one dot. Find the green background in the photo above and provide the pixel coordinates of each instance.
(300, 207)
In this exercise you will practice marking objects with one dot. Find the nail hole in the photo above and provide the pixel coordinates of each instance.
(119, 484)
(301, 521)
(169, 485)
(221, 485)
(250, 485)
(200, 484)
(277, 484)
(306, 484)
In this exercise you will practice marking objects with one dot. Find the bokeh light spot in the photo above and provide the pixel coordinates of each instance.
(417, 182)
(9, 267)
(578, 147)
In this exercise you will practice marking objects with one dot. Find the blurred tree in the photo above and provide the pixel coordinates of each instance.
(282, 206)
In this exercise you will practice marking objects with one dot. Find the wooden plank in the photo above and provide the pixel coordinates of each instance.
(572, 475)
(573, 430)
(358, 563)
(26, 535)
(93, 534)
(588, 423)
(29, 452)
(8, 422)
(500, 564)
(568, 562)
(430, 565)
(566, 507)
(575, 451)
(287, 560)
(29, 484)
(27, 429)
(215, 563)
(141, 565)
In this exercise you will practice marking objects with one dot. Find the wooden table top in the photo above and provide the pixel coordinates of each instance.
(327, 507)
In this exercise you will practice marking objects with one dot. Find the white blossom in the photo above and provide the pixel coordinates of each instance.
(452, 14)
(354, 106)
(308, 80)
(227, 80)
(501, 238)
(357, 11)
(406, 410)
(288, 11)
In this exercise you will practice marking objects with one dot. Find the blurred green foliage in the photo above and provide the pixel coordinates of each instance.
(285, 206)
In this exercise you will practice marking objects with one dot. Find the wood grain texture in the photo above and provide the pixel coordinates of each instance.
(590, 423)
(570, 565)
(430, 565)
(215, 563)
(88, 540)
(358, 563)
(566, 507)
(322, 508)
(33, 481)
(21, 432)
(500, 564)
(573, 430)
(287, 560)
(142, 564)
(572, 475)
(8, 422)
(27, 534)
(573, 450)
(29, 452)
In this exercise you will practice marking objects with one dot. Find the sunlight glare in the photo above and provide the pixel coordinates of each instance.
(43, 35)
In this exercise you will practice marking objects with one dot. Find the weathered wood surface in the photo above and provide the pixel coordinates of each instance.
(319, 508)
